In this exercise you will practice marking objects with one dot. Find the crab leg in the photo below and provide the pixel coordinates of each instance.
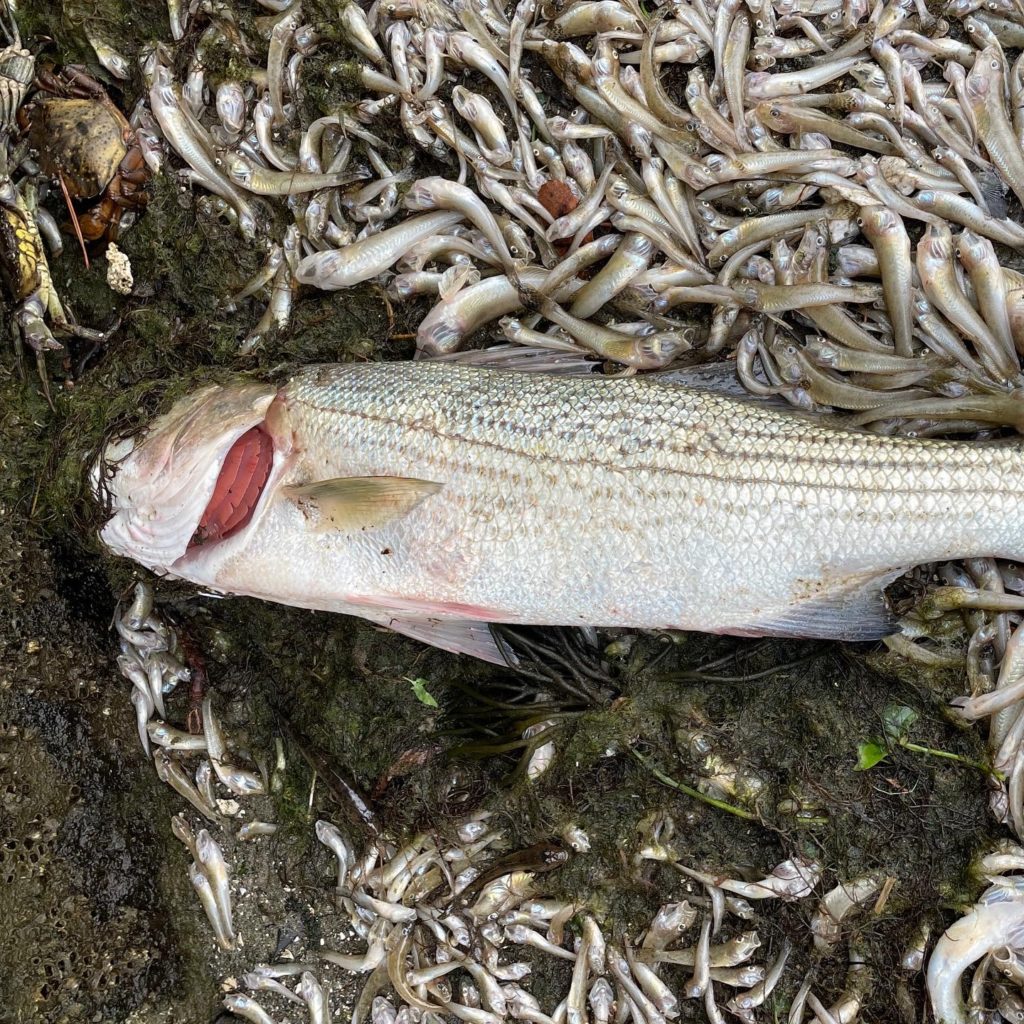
(74, 218)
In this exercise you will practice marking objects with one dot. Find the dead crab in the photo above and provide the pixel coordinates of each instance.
(87, 145)
(17, 69)
(26, 275)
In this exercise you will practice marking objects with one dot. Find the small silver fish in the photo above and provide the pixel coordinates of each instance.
(204, 890)
(212, 862)
(242, 1005)
(312, 992)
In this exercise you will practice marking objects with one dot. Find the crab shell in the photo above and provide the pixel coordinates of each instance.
(82, 139)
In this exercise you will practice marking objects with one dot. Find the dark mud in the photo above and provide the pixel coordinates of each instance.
(97, 922)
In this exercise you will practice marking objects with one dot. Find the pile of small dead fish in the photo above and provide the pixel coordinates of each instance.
(595, 203)
(151, 659)
(453, 925)
(989, 596)
(440, 920)
(989, 936)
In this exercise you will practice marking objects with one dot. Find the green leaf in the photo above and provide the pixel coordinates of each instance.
(897, 720)
(869, 754)
(423, 695)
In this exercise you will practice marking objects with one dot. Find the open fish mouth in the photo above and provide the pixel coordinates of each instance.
(239, 487)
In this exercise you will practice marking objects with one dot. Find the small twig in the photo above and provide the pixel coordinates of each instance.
(883, 896)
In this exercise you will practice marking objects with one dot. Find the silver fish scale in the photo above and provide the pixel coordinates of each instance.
(610, 501)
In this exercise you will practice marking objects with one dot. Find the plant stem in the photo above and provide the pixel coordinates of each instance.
(690, 791)
(919, 749)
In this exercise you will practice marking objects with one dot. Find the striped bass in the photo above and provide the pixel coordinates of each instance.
(435, 497)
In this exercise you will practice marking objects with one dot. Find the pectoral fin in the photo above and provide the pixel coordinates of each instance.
(851, 610)
(458, 636)
(358, 502)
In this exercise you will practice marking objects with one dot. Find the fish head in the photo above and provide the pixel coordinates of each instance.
(936, 246)
(878, 221)
(238, 169)
(195, 475)
(971, 250)
(422, 195)
(984, 76)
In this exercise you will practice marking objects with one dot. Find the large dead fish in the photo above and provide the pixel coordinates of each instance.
(436, 497)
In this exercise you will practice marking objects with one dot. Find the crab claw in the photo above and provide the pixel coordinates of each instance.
(33, 328)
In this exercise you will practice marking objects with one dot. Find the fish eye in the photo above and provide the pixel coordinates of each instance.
(994, 65)
(860, 222)
(775, 112)
(957, 251)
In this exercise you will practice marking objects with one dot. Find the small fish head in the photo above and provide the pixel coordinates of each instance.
(877, 221)
(158, 484)
(983, 76)
(970, 249)
(775, 115)
(421, 196)
(238, 170)
(230, 102)
(936, 246)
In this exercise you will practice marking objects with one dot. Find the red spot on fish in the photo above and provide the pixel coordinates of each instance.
(242, 478)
